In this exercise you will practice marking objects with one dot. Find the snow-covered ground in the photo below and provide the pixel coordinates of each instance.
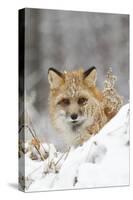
(100, 162)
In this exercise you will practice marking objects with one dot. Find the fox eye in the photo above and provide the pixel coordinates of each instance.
(82, 100)
(64, 102)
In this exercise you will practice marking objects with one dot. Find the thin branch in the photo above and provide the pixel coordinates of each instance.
(35, 137)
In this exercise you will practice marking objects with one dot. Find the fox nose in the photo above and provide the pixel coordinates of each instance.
(74, 116)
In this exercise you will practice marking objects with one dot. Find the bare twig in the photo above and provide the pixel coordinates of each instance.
(67, 152)
(35, 137)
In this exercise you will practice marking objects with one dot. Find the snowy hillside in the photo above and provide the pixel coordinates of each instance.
(101, 161)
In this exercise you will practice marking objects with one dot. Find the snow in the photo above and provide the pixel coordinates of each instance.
(100, 162)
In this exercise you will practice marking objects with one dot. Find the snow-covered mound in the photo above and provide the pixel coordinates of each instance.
(102, 161)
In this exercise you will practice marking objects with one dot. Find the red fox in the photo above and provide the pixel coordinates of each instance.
(78, 109)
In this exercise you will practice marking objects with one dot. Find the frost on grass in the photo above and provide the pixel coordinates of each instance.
(101, 161)
(112, 101)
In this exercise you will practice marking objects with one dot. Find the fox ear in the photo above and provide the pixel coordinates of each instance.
(55, 78)
(90, 76)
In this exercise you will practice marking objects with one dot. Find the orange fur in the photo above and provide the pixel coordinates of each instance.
(76, 92)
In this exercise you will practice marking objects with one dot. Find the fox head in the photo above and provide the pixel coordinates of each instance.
(73, 100)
